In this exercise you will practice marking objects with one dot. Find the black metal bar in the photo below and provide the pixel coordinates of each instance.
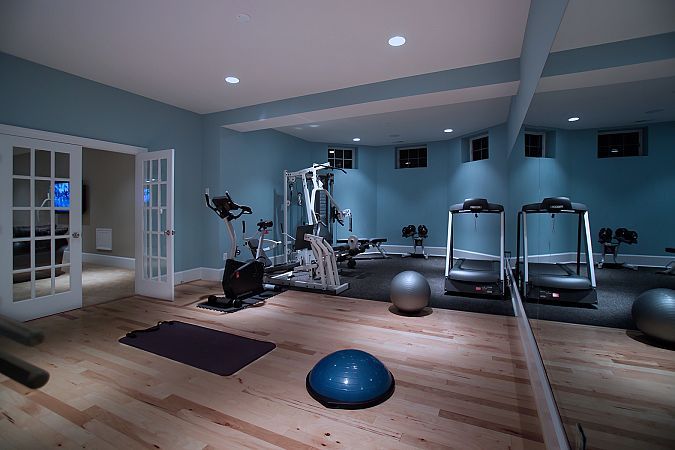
(518, 250)
(452, 243)
(19, 333)
(22, 371)
(579, 246)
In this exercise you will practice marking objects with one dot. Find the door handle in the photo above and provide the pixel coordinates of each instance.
(169, 232)
(75, 235)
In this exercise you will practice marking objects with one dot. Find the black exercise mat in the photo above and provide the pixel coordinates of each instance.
(253, 301)
(211, 350)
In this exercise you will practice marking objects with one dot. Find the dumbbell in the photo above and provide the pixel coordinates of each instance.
(408, 230)
(605, 235)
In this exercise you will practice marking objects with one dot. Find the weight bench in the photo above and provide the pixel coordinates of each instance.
(670, 267)
(370, 242)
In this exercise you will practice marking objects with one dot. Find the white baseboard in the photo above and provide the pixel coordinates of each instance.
(571, 258)
(186, 276)
(210, 274)
(104, 260)
(403, 249)
(437, 251)
(553, 258)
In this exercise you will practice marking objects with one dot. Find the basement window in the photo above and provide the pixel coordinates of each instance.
(479, 147)
(411, 157)
(341, 158)
(535, 144)
(617, 144)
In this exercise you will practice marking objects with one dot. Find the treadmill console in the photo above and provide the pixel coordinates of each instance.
(475, 204)
(554, 204)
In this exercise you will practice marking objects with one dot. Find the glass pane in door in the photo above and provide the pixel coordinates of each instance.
(61, 165)
(41, 222)
(43, 163)
(43, 282)
(21, 193)
(21, 161)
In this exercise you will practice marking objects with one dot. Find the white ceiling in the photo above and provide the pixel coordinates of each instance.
(621, 104)
(593, 22)
(179, 51)
(409, 126)
(381, 107)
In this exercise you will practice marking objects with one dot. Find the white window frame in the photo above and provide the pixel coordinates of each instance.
(640, 132)
(543, 143)
(410, 147)
(353, 158)
(474, 138)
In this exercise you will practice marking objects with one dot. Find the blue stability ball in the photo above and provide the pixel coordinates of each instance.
(410, 291)
(350, 379)
(654, 313)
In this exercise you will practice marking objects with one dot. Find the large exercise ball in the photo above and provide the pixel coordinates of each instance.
(410, 291)
(654, 313)
(350, 379)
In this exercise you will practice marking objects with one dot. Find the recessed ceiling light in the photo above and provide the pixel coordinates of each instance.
(448, 130)
(572, 119)
(356, 139)
(232, 80)
(396, 41)
(313, 125)
(243, 18)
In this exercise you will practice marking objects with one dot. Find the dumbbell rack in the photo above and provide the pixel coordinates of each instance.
(611, 247)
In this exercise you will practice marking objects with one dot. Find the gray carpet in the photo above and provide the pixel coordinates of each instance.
(370, 280)
(617, 289)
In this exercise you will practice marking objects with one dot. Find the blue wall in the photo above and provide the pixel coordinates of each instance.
(250, 167)
(385, 199)
(355, 190)
(35, 96)
(626, 192)
(633, 192)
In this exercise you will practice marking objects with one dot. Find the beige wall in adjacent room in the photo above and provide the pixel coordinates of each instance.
(109, 180)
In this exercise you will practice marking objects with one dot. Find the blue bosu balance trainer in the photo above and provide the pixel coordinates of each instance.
(350, 379)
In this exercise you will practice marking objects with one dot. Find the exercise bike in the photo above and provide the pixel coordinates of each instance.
(241, 279)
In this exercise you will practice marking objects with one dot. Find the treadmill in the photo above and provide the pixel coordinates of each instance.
(474, 276)
(557, 282)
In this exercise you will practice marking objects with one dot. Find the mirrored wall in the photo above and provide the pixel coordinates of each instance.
(604, 138)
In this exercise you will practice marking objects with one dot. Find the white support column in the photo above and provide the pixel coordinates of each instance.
(286, 206)
(589, 250)
(525, 262)
(449, 243)
(502, 227)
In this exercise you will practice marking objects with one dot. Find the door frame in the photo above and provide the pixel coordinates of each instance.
(74, 140)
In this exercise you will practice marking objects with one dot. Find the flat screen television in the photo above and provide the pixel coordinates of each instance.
(62, 195)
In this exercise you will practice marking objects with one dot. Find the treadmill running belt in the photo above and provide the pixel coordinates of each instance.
(475, 271)
(557, 276)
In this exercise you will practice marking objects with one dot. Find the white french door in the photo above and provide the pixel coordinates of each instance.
(154, 224)
(41, 196)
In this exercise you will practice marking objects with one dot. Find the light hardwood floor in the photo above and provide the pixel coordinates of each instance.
(620, 389)
(461, 380)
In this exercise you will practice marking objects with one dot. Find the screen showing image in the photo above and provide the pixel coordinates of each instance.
(62, 194)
